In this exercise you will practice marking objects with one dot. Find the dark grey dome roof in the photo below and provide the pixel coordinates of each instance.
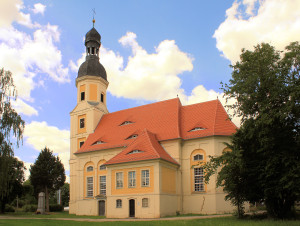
(92, 67)
(93, 35)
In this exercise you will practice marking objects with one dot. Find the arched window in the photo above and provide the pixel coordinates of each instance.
(132, 136)
(145, 202)
(102, 97)
(119, 203)
(198, 179)
(134, 151)
(198, 157)
(102, 167)
(89, 169)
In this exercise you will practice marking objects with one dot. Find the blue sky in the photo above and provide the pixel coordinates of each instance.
(152, 50)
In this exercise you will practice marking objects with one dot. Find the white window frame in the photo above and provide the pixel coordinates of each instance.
(145, 180)
(195, 156)
(89, 187)
(119, 203)
(119, 180)
(145, 205)
(199, 179)
(131, 179)
(89, 169)
(102, 185)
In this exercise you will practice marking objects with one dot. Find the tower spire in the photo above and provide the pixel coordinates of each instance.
(94, 12)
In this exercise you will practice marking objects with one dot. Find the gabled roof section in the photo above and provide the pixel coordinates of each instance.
(166, 119)
(149, 149)
(161, 118)
(209, 115)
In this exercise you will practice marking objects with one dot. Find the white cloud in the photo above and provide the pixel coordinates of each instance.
(40, 135)
(29, 54)
(21, 107)
(155, 76)
(39, 8)
(10, 10)
(250, 22)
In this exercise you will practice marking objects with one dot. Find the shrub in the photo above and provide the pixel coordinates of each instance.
(29, 208)
(9, 208)
(56, 208)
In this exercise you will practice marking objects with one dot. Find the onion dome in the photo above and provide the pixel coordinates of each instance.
(92, 66)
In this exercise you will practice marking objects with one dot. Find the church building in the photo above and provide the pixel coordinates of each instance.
(142, 162)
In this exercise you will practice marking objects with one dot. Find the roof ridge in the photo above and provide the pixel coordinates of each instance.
(205, 102)
(216, 112)
(141, 106)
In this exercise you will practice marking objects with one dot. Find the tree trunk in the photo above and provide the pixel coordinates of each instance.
(47, 199)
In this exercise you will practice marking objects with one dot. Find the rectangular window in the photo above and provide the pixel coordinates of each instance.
(82, 96)
(102, 185)
(119, 180)
(119, 203)
(198, 179)
(89, 183)
(81, 123)
(144, 202)
(145, 178)
(131, 179)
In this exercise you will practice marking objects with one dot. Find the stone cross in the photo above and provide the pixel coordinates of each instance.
(41, 203)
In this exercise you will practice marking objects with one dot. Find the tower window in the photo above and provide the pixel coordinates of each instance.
(81, 143)
(81, 123)
(82, 96)
(93, 50)
(102, 97)
(88, 50)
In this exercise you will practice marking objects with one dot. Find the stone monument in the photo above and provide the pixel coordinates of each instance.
(41, 203)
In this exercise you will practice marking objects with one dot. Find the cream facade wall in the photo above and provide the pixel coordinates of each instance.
(172, 185)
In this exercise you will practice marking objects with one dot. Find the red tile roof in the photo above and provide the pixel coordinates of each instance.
(148, 147)
(166, 119)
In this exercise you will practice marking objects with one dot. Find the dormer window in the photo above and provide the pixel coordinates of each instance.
(198, 157)
(197, 128)
(135, 151)
(89, 169)
(126, 123)
(82, 96)
(98, 142)
(132, 136)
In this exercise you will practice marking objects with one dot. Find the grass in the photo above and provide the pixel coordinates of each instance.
(224, 221)
(64, 214)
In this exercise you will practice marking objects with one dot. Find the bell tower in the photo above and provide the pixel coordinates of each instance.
(91, 84)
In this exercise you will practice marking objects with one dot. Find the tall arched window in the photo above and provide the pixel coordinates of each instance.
(197, 160)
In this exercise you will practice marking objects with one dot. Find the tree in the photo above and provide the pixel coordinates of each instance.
(15, 178)
(65, 194)
(266, 86)
(230, 176)
(11, 124)
(47, 174)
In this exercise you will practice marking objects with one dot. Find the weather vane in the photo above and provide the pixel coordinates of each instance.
(94, 12)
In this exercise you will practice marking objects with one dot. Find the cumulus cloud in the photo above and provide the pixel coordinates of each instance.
(40, 135)
(39, 8)
(10, 10)
(29, 54)
(154, 75)
(22, 108)
(250, 22)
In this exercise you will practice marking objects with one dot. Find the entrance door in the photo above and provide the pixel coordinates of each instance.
(101, 208)
(131, 208)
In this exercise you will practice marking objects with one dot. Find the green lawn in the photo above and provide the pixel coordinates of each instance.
(224, 221)
(64, 214)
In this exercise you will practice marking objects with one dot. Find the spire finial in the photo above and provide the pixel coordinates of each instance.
(94, 12)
